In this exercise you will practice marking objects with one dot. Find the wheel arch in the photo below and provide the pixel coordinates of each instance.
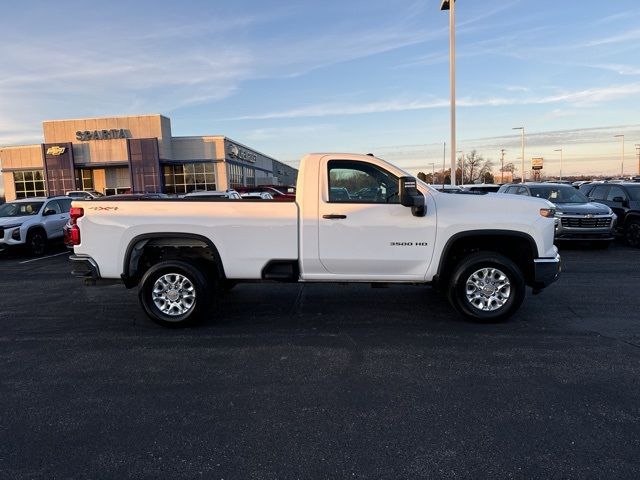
(131, 274)
(519, 247)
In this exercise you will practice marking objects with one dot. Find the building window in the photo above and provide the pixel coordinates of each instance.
(250, 176)
(235, 175)
(84, 179)
(29, 184)
(189, 177)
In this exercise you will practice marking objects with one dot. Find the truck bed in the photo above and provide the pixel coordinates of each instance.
(247, 234)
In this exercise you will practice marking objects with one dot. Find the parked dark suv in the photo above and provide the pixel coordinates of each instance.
(577, 218)
(624, 200)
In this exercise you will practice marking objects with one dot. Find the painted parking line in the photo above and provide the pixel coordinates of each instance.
(44, 258)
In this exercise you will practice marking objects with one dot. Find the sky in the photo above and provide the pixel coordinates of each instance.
(287, 78)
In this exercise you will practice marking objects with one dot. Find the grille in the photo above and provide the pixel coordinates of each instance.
(586, 222)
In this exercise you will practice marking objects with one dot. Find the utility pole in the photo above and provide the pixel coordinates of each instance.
(450, 5)
(444, 160)
(502, 166)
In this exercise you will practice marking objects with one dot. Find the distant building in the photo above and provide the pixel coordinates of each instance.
(133, 154)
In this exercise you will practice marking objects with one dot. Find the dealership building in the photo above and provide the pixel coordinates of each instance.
(134, 154)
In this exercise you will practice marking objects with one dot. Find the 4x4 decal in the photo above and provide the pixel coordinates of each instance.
(98, 209)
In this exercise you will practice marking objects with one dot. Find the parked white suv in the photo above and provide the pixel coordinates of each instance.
(84, 194)
(32, 222)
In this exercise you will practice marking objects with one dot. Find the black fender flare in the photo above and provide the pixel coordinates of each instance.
(137, 244)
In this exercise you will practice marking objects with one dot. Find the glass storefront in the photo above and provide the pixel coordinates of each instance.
(84, 179)
(29, 184)
(189, 177)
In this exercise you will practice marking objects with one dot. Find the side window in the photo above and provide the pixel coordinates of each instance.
(615, 191)
(65, 205)
(511, 190)
(522, 191)
(361, 182)
(599, 192)
(53, 205)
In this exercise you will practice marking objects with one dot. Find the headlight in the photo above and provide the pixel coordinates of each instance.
(547, 212)
(13, 225)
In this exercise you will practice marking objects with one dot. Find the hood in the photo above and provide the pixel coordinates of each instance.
(582, 208)
(13, 220)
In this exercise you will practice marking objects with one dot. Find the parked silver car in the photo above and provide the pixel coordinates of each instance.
(32, 222)
(577, 218)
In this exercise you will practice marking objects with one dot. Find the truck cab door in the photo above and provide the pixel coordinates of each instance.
(364, 231)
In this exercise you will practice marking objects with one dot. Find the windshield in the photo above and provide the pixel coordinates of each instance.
(20, 209)
(557, 194)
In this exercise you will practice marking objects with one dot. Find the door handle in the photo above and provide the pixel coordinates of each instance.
(333, 216)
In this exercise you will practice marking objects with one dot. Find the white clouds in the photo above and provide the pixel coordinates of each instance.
(576, 98)
(618, 68)
(593, 95)
(618, 38)
(261, 134)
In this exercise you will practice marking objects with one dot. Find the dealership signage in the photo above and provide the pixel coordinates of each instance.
(536, 163)
(242, 153)
(112, 134)
(56, 150)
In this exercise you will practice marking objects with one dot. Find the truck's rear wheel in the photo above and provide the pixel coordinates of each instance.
(486, 287)
(174, 293)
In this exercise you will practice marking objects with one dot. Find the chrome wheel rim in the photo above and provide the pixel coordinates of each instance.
(488, 289)
(174, 294)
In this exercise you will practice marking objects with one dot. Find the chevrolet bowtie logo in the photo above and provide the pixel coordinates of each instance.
(56, 150)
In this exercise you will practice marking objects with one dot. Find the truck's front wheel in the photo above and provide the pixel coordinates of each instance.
(487, 287)
(174, 293)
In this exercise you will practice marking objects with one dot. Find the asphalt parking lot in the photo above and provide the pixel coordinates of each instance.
(319, 381)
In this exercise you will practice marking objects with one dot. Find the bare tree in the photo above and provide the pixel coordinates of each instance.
(476, 167)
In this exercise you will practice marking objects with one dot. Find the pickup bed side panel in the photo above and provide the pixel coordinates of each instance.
(246, 234)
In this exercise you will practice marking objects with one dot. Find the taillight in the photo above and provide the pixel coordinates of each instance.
(74, 233)
(75, 213)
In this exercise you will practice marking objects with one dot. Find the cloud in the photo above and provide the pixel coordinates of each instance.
(577, 98)
(261, 134)
(622, 37)
(618, 68)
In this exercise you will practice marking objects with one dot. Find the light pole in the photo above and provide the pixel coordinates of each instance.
(560, 150)
(638, 153)
(502, 166)
(462, 167)
(622, 155)
(451, 6)
(522, 129)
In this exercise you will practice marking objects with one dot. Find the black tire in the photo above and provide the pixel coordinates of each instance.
(632, 233)
(37, 242)
(494, 306)
(174, 293)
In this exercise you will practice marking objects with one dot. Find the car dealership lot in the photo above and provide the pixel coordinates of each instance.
(321, 381)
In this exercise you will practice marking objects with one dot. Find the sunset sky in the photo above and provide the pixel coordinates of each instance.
(359, 76)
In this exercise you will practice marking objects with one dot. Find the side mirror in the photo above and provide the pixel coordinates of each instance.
(618, 199)
(410, 196)
(48, 212)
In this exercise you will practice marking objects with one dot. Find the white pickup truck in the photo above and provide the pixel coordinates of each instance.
(356, 218)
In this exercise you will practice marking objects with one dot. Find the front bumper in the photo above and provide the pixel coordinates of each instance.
(545, 272)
